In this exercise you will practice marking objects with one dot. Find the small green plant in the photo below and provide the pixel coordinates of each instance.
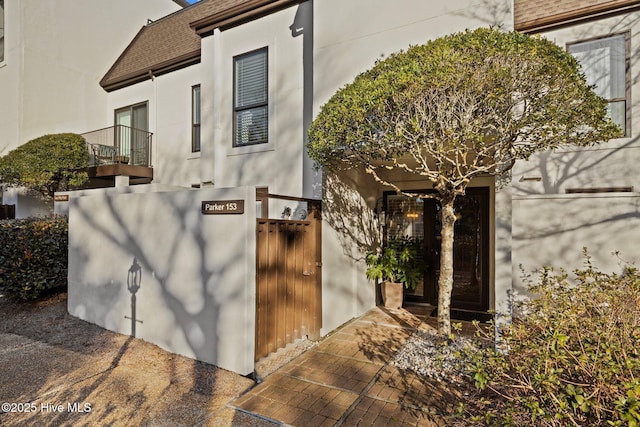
(33, 256)
(573, 359)
(400, 261)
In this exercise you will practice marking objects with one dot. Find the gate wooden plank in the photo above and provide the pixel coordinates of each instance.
(262, 297)
(288, 296)
(272, 308)
(298, 301)
(308, 282)
(281, 285)
(290, 280)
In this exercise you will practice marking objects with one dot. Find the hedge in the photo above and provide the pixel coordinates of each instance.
(33, 256)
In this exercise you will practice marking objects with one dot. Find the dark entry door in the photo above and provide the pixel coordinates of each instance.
(421, 219)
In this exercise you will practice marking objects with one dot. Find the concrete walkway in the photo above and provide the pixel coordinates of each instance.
(348, 380)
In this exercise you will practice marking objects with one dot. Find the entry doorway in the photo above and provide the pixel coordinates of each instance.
(420, 219)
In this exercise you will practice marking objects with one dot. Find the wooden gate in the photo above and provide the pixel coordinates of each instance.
(288, 282)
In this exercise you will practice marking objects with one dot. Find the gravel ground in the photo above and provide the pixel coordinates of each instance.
(432, 356)
(50, 360)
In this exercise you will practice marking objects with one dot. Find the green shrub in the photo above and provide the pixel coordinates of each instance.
(47, 164)
(573, 358)
(33, 256)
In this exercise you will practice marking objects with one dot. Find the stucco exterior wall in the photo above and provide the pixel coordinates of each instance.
(56, 53)
(313, 49)
(168, 99)
(351, 36)
(279, 163)
(552, 230)
(197, 277)
(550, 225)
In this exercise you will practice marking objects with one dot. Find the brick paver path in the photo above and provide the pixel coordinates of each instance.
(347, 379)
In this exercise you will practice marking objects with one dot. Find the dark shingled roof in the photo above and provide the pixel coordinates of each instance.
(173, 42)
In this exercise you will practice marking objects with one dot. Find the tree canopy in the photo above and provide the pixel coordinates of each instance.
(47, 164)
(458, 107)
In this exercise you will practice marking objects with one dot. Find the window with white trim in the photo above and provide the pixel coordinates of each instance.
(250, 99)
(605, 64)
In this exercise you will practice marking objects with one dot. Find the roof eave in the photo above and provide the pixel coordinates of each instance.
(174, 64)
(237, 15)
(182, 3)
(573, 17)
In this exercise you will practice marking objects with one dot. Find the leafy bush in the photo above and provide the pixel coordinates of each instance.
(573, 359)
(33, 256)
(47, 164)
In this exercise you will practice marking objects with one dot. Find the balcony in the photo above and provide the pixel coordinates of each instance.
(120, 151)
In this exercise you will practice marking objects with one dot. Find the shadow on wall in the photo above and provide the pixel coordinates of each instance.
(564, 201)
(180, 279)
(552, 232)
(554, 172)
(489, 12)
(601, 165)
(134, 281)
(345, 211)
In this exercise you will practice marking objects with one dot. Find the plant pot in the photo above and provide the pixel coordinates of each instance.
(392, 294)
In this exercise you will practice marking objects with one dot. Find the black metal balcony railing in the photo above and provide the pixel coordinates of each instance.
(119, 145)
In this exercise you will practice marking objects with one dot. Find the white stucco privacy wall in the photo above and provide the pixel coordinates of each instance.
(197, 278)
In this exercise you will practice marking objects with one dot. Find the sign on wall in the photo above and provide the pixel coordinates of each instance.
(222, 207)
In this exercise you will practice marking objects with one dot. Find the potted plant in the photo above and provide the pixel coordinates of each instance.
(398, 265)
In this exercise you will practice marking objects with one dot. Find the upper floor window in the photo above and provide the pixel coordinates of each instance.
(195, 118)
(605, 62)
(1, 30)
(250, 99)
